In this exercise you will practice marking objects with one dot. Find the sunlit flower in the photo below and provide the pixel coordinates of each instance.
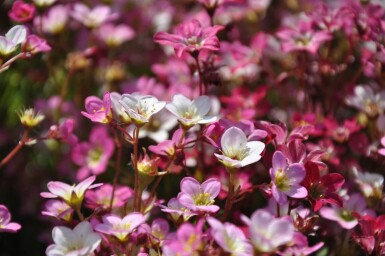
(286, 179)
(12, 39)
(101, 197)
(58, 209)
(80, 241)
(35, 44)
(141, 107)
(199, 197)
(92, 18)
(118, 227)
(72, 195)
(44, 3)
(237, 151)
(189, 112)
(114, 36)
(54, 20)
(371, 184)
(178, 212)
(267, 233)
(367, 100)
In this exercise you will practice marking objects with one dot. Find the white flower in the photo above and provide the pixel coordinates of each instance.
(81, 241)
(237, 151)
(189, 112)
(366, 100)
(15, 36)
(141, 107)
(371, 184)
(42, 3)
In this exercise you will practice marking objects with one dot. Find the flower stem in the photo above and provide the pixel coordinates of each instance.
(201, 92)
(117, 167)
(135, 162)
(16, 149)
(230, 195)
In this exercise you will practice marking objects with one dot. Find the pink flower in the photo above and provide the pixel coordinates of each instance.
(35, 44)
(190, 37)
(58, 209)
(286, 179)
(12, 39)
(199, 197)
(344, 216)
(64, 132)
(93, 156)
(54, 20)
(230, 238)
(300, 246)
(267, 233)
(98, 110)
(302, 38)
(114, 36)
(118, 227)
(92, 18)
(5, 221)
(381, 151)
(72, 195)
(177, 211)
(21, 11)
(101, 197)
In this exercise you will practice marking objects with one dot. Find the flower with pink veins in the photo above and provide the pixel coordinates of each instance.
(72, 195)
(140, 108)
(35, 44)
(92, 18)
(190, 113)
(92, 156)
(199, 197)
(286, 179)
(118, 227)
(81, 241)
(267, 233)
(237, 151)
(12, 39)
(21, 11)
(302, 38)
(114, 36)
(230, 238)
(5, 221)
(98, 110)
(58, 209)
(344, 216)
(190, 37)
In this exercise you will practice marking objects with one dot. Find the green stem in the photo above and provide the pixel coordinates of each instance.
(135, 162)
(117, 168)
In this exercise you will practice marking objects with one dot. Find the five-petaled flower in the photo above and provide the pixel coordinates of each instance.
(190, 37)
(237, 151)
(98, 110)
(286, 179)
(199, 197)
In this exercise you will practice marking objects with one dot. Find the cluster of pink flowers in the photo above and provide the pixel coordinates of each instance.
(201, 127)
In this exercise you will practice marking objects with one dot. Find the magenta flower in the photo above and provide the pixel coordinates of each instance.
(72, 195)
(230, 238)
(302, 38)
(286, 179)
(35, 44)
(199, 197)
(21, 11)
(5, 221)
(237, 151)
(190, 37)
(267, 233)
(92, 18)
(93, 156)
(98, 110)
(381, 151)
(118, 227)
(64, 132)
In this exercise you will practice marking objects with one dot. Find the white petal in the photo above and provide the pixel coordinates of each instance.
(17, 34)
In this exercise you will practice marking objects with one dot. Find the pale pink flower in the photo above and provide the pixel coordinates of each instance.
(5, 221)
(58, 209)
(178, 212)
(381, 151)
(35, 44)
(118, 227)
(72, 195)
(54, 20)
(237, 151)
(92, 18)
(114, 36)
(101, 196)
(81, 241)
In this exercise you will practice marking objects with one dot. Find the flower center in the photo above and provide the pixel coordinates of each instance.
(280, 180)
(94, 156)
(203, 199)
